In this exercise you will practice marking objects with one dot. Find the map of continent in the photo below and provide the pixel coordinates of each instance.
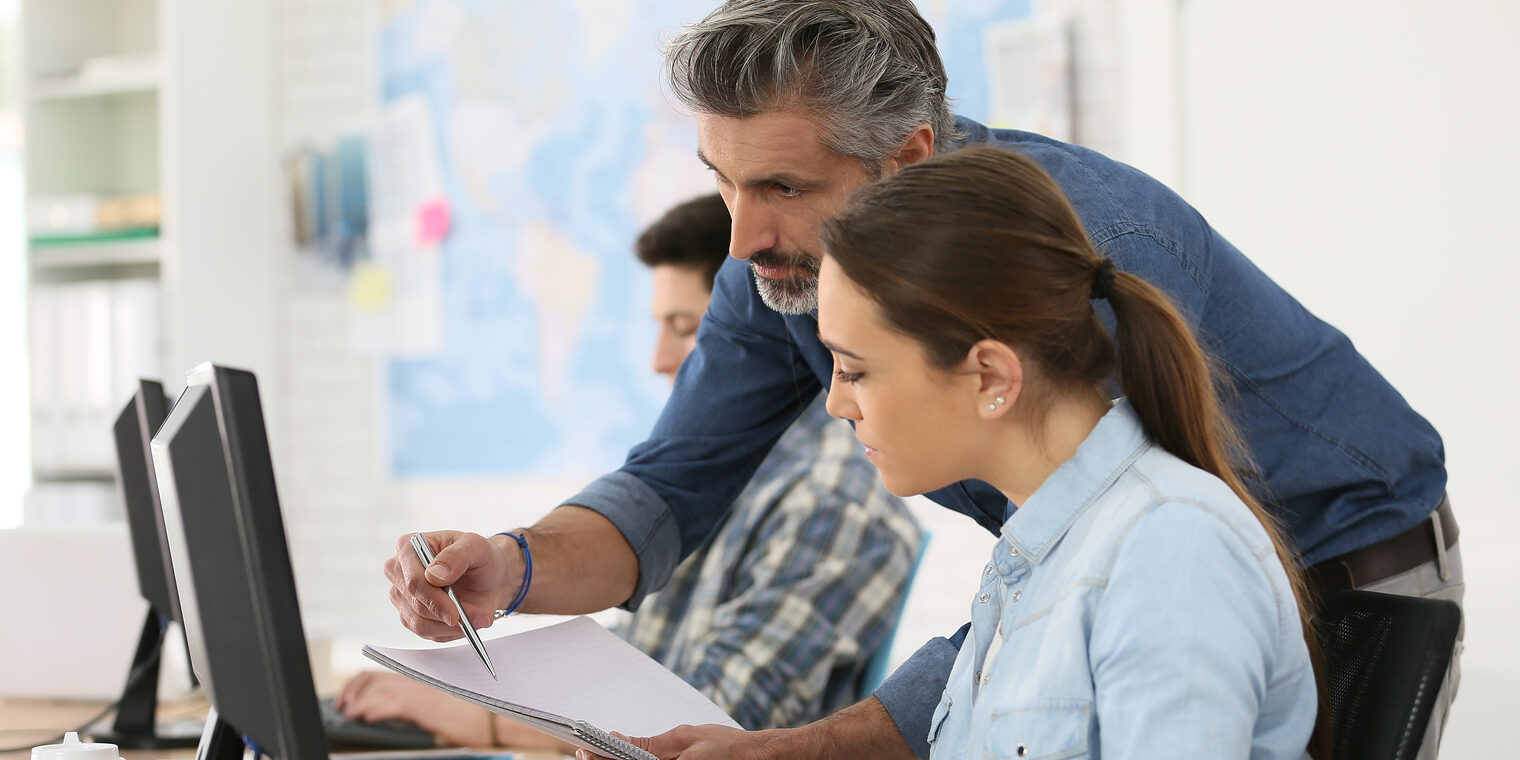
(556, 143)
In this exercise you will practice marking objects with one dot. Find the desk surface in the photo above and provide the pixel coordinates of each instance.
(29, 722)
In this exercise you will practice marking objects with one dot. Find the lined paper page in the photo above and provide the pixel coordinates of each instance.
(576, 669)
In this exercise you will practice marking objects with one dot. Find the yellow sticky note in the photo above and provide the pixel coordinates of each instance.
(369, 288)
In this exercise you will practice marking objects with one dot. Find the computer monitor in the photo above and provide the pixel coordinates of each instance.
(236, 590)
(135, 726)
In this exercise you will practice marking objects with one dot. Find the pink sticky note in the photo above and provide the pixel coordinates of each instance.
(432, 222)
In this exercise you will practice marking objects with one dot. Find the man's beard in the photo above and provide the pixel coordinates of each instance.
(798, 292)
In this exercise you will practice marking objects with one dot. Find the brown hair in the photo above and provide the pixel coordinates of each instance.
(981, 243)
(693, 235)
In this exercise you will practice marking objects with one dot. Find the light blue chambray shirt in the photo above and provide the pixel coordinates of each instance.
(1144, 614)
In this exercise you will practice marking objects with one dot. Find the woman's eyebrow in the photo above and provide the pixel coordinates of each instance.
(838, 350)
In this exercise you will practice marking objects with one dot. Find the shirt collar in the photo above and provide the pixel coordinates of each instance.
(1037, 526)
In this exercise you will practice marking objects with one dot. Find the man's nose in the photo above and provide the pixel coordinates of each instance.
(753, 229)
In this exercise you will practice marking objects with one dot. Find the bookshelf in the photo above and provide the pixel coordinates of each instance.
(151, 216)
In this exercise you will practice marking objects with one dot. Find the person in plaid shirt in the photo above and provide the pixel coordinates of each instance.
(774, 617)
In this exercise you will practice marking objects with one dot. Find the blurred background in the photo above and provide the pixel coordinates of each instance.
(414, 221)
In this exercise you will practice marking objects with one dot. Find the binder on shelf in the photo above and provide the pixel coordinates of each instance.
(91, 340)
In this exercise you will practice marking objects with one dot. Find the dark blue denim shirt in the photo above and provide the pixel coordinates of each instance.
(1339, 454)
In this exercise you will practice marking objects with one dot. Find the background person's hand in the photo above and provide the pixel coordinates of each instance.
(375, 696)
(378, 695)
(483, 574)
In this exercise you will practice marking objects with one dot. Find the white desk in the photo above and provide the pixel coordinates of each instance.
(52, 717)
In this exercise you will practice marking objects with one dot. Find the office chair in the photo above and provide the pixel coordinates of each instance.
(1385, 658)
(876, 667)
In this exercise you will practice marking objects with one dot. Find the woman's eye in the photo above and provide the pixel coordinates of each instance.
(848, 377)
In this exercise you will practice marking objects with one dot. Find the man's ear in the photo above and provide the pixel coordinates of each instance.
(918, 146)
(999, 376)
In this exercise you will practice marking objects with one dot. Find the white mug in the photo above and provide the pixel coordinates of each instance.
(73, 749)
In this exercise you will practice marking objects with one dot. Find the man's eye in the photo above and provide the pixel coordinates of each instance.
(787, 191)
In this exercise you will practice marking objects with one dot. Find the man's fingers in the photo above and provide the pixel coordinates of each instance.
(423, 623)
(425, 599)
(464, 552)
(417, 591)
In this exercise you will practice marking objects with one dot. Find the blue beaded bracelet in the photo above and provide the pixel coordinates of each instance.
(522, 592)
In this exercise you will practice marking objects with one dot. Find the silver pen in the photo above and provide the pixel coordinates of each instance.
(425, 553)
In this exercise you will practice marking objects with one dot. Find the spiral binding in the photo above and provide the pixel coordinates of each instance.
(610, 745)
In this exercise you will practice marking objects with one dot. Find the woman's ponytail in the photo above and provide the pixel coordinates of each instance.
(1167, 378)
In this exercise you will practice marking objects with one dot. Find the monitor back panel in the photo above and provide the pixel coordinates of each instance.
(133, 431)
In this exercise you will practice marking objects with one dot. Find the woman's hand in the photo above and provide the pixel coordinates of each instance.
(710, 742)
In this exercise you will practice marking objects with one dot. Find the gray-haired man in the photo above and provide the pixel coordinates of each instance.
(799, 103)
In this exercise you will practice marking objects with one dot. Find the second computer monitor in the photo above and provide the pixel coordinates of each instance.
(136, 725)
(227, 542)
(134, 428)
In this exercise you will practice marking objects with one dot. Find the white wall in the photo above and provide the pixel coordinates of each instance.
(1364, 154)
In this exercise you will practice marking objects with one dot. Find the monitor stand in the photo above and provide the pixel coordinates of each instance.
(219, 741)
(135, 726)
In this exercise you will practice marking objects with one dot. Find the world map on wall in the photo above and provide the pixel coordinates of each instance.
(555, 144)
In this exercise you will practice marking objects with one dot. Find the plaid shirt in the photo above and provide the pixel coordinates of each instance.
(774, 618)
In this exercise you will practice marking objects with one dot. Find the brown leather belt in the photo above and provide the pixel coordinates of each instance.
(1389, 557)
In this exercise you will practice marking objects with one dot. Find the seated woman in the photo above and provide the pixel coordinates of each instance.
(1139, 602)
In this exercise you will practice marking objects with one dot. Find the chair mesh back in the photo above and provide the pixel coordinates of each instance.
(1385, 658)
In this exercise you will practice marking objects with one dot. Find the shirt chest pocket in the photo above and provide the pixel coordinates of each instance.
(1051, 729)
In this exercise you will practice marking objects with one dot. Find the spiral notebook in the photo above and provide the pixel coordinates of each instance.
(575, 681)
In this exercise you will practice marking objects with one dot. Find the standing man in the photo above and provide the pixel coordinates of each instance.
(775, 618)
(799, 103)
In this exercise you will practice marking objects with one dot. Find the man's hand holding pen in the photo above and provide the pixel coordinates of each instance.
(482, 572)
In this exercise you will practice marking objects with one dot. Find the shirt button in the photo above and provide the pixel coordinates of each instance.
(984, 597)
(989, 571)
(1013, 551)
(1016, 595)
(1022, 750)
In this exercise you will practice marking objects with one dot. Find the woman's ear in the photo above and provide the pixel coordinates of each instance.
(999, 376)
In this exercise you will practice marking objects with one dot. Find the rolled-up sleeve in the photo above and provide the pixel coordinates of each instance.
(912, 691)
(733, 398)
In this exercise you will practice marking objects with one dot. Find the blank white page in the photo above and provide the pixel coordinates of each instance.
(576, 669)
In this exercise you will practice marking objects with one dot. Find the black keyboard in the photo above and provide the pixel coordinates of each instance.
(385, 734)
